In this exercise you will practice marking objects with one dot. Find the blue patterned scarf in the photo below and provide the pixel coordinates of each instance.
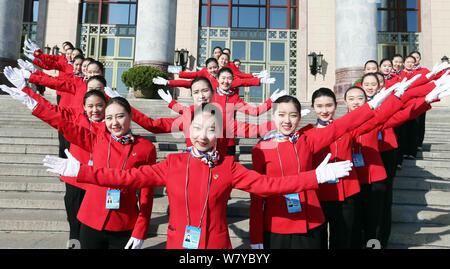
(280, 137)
(222, 92)
(125, 139)
(210, 158)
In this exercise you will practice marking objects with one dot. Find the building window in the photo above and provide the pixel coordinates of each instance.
(259, 14)
(109, 12)
(31, 11)
(399, 16)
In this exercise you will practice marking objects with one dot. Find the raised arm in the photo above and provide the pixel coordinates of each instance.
(74, 133)
(133, 178)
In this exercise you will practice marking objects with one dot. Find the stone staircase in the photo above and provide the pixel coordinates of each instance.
(32, 213)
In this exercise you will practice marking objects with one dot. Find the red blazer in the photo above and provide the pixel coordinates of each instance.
(204, 73)
(365, 140)
(237, 82)
(92, 211)
(271, 214)
(74, 88)
(387, 140)
(225, 176)
(182, 123)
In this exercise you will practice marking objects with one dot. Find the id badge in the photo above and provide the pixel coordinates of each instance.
(380, 136)
(91, 163)
(112, 199)
(333, 181)
(293, 203)
(191, 238)
(358, 160)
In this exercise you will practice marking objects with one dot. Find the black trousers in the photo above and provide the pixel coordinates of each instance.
(400, 134)
(410, 136)
(373, 197)
(389, 161)
(94, 239)
(344, 223)
(310, 240)
(72, 201)
(421, 129)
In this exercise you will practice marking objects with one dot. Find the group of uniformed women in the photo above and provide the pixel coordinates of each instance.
(320, 186)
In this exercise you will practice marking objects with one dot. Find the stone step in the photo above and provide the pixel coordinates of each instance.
(31, 184)
(424, 184)
(422, 198)
(419, 234)
(429, 173)
(24, 170)
(421, 214)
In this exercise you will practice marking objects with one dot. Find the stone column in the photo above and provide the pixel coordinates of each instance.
(11, 21)
(155, 33)
(356, 41)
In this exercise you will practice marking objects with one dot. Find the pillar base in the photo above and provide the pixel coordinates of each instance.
(345, 78)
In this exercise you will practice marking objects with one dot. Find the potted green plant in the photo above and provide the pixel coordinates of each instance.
(140, 78)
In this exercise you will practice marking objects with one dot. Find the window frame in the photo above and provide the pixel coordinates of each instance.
(398, 10)
(100, 8)
(268, 6)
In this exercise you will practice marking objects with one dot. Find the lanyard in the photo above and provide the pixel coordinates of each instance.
(109, 154)
(353, 148)
(186, 197)
(279, 158)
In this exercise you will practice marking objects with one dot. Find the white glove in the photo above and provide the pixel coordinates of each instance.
(30, 46)
(444, 79)
(435, 93)
(444, 94)
(134, 243)
(29, 55)
(111, 93)
(257, 246)
(304, 112)
(160, 81)
(20, 96)
(26, 65)
(15, 76)
(267, 80)
(404, 85)
(165, 96)
(262, 74)
(25, 73)
(381, 96)
(438, 68)
(65, 167)
(277, 94)
(331, 171)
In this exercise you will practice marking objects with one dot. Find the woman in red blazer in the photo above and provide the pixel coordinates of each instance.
(230, 102)
(369, 167)
(112, 226)
(203, 93)
(271, 223)
(199, 183)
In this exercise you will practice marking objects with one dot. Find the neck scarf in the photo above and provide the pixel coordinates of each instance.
(210, 158)
(388, 76)
(222, 92)
(324, 123)
(280, 137)
(125, 139)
